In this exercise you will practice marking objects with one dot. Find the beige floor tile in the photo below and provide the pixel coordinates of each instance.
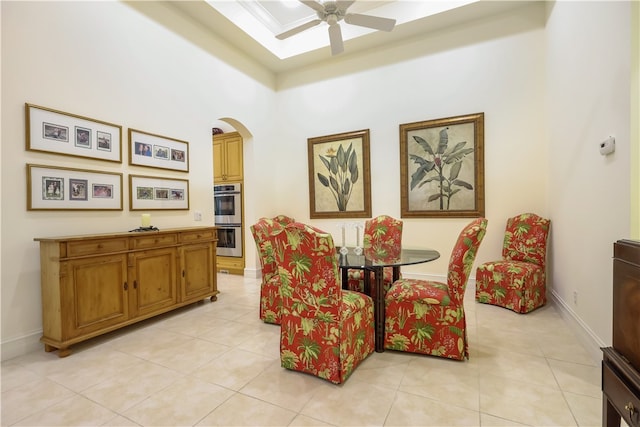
(525, 403)
(120, 421)
(562, 345)
(131, 386)
(91, 367)
(412, 410)
(511, 365)
(491, 421)
(189, 356)
(14, 375)
(282, 387)
(241, 410)
(353, 403)
(146, 342)
(30, 398)
(266, 342)
(229, 332)
(193, 323)
(75, 410)
(577, 378)
(235, 368)
(304, 421)
(184, 403)
(446, 381)
(501, 339)
(385, 369)
(587, 409)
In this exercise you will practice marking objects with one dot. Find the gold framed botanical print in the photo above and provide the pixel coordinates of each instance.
(339, 175)
(442, 167)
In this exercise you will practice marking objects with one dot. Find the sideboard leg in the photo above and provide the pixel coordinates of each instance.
(64, 352)
(49, 348)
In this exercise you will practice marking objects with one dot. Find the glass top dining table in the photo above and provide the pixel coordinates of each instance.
(373, 261)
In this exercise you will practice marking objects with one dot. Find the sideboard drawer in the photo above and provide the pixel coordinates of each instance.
(197, 236)
(101, 246)
(154, 240)
(624, 399)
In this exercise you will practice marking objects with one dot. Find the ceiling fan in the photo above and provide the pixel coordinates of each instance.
(332, 12)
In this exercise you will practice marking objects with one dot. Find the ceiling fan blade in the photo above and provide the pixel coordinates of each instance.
(335, 37)
(298, 29)
(313, 5)
(344, 4)
(375, 22)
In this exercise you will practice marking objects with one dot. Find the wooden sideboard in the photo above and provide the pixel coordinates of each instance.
(94, 284)
(621, 363)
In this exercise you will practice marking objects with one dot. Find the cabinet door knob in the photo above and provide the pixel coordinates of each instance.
(135, 284)
(126, 287)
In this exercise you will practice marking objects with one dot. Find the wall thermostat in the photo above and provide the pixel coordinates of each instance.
(608, 146)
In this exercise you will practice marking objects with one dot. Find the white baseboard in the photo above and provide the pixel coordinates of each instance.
(585, 335)
(253, 273)
(21, 346)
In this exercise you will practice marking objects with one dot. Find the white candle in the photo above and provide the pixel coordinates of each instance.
(343, 227)
(146, 220)
(357, 235)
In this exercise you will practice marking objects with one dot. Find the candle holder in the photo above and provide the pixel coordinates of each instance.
(343, 247)
(358, 249)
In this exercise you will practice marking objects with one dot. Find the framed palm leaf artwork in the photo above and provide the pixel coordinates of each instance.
(339, 175)
(442, 167)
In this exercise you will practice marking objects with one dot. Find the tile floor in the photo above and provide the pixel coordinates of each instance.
(217, 364)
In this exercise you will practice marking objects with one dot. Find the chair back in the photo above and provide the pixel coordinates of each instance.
(383, 235)
(261, 232)
(462, 257)
(283, 219)
(308, 268)
(525, 239)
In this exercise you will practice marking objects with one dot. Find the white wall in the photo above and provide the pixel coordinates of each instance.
(495, 66)
(107, 61)
(588, 99)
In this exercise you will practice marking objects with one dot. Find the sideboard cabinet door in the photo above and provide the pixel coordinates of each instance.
(94, 294)
(154, 277)
(198, 261)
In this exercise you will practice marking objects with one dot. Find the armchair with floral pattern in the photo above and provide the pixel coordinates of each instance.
(427, 317)
(325, 331)
(382, 235)
(518, 281)
(270, 301)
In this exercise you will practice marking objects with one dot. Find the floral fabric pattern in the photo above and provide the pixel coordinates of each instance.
(428, 317)
(518, 282)
(383, 236)
(325, 331)
(270, 302)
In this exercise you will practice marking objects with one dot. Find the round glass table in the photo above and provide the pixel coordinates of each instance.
(376, 261)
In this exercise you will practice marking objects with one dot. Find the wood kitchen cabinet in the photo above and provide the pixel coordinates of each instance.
(95, 284)
(227, 157)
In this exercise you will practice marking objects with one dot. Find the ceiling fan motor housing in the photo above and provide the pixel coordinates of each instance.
(331, 13)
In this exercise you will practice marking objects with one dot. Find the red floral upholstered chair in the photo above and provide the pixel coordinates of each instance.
(383, 235)
(270, 301)
(518, 281)
(428, 317)
(325, 331)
